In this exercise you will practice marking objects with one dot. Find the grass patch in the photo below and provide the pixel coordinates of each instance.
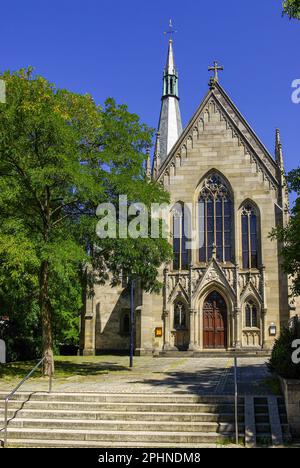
(230, 441)
(67, 366)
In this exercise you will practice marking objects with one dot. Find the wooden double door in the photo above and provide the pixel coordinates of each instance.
(214, 322)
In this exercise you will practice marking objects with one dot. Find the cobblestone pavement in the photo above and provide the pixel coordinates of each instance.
(161, 375)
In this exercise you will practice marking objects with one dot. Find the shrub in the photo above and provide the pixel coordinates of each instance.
(281, 357)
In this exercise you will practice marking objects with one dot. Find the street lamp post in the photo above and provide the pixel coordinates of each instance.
(132, 319)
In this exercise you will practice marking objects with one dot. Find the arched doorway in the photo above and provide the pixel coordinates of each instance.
(181, 326)
(214, 322)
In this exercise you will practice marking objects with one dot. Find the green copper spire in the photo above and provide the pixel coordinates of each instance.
(170, 126)
(170, 74)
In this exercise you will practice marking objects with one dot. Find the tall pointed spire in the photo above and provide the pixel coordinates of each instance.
(278, 150)
(156, 159)
(283, 190)
(170, 126)
(170, 64)
(148, 164)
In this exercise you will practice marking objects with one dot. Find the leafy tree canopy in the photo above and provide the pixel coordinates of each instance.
(62, 155)
(289, 236)
(292, 8)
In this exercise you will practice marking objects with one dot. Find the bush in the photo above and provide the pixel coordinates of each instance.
(281, 357)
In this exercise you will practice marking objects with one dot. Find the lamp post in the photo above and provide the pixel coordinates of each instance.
(132, 319)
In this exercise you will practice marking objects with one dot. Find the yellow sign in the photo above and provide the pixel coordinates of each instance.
(158, 332)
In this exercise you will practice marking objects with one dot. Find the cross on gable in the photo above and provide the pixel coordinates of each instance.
(215, 68)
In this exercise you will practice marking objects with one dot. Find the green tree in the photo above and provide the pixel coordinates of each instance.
(292, 8)
(61, 155)
(126, 176)
(18, 286)
(289, 236)
(45, 134)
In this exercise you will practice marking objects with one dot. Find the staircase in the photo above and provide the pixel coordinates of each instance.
(120, 420)
(141, 420)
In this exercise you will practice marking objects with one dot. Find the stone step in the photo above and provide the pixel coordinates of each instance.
(119, 436)
(145, 407)
(134, 420)
(266, 420)
(213, 354)
(120, 415)
(121, 397)
(36, 443)
(120, 425)
(263, 409)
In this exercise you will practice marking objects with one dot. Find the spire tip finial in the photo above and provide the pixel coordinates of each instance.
(171, 31)
(278, 138)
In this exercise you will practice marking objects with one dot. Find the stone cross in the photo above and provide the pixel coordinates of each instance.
(215, 69)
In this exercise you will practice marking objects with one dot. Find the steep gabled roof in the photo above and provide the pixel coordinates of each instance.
(240, 127)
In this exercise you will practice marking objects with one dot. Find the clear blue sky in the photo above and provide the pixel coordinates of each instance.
(117, 48)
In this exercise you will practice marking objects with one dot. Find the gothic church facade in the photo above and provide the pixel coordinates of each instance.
(228, 291)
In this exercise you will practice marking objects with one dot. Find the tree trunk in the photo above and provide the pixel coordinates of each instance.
(48, 366)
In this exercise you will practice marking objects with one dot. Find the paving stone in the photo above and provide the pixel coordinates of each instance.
(165, 375)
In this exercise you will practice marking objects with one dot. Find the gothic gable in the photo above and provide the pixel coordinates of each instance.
(217, 107)
(213, 274)
(251, 290)
(177, 286)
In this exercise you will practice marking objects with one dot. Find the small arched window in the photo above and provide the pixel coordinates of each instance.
(249, 237)
(181, 247)
(215, 220)
(125, 322)
(251, 316)
(180, 318)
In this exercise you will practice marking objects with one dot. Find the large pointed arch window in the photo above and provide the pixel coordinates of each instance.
(181, 248)
(215, 220)
(250, 247)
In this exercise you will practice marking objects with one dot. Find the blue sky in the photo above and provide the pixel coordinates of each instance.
(117, 48)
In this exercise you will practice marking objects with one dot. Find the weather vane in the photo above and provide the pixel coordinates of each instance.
(171, 31)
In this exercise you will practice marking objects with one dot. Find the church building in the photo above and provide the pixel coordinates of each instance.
(228, 292)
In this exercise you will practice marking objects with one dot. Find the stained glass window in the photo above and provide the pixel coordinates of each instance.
(249, 237)
(251, 318)
(181, 230)
(215, 220)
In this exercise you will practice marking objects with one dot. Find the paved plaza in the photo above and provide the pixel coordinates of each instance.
(214, 376)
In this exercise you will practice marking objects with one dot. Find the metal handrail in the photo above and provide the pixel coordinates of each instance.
(236, 402)
(11, 394)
